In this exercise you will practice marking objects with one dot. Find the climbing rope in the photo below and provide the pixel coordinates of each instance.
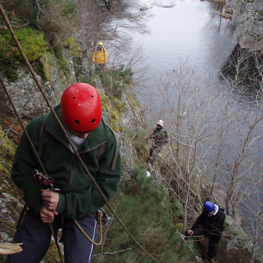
(198, 259)
(194, 238)
(85, 234)
(62, 128)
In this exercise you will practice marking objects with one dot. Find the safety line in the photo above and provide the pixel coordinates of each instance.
(196, 257)
(64, 131)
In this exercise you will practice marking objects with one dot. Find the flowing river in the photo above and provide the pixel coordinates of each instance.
(186, 30)
(190, 34)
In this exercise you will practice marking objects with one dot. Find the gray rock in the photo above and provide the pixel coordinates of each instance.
(144, 7)
(247, 20)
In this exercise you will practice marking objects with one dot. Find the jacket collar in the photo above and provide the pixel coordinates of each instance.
(95, 138)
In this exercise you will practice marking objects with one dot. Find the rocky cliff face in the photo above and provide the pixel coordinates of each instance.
(55, 72)
(247, 18)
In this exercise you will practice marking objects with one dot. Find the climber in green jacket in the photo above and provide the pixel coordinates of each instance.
(76, 197)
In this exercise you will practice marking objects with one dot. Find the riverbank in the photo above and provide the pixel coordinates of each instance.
(247, 19)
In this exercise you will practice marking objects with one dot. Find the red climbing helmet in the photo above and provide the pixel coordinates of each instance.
(81, 107)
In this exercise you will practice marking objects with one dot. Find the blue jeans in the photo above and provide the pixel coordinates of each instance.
(36, 236)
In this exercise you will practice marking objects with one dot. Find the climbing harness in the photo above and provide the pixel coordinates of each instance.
(63, 129)
(48, 181)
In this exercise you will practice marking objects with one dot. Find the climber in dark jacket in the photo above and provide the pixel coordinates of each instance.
(210, 224)
(159, 137)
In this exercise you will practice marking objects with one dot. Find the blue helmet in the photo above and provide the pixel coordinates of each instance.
(209, 207)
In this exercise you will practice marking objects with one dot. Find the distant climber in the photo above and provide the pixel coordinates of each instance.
(210, 224)
(159, 138)
(100, 56)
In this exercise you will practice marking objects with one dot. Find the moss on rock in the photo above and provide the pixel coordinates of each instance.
(73, 46)
(47, 62)
(32, 43)
(7, 149)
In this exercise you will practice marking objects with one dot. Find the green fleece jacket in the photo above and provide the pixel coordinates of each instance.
(78, 197)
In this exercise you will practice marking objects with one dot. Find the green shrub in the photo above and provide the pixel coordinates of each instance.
(55, 18)
(73, 46)
(7, 153)
(115, 80)
(145, 210)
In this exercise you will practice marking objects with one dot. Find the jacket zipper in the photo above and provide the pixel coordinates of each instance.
(71, 175)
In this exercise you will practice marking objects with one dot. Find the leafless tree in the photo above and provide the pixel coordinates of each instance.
(107, 20)
(188, 116)
(215, 134)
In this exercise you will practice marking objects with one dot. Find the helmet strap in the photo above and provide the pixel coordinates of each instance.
(215, 211)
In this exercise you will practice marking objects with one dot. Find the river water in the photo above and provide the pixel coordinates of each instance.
(188, 38)
(188, 30)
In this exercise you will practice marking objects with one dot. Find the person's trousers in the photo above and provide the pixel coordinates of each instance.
(212, 246)
(36, 237)
(154, 152)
